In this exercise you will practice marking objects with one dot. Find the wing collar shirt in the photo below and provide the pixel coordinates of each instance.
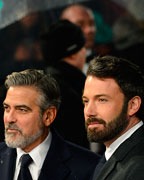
(112, 148)
(38, 155)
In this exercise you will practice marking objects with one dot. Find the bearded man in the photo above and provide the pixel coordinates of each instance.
(114, 108)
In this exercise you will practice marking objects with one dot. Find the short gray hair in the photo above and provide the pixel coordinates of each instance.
(43, 83)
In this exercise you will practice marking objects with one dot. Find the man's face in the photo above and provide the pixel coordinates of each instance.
(85, 20)
(105, 111)
(24, 126)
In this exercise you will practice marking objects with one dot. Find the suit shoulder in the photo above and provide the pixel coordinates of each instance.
(77, 152)
(3, 147)
(82, 162)
(83, 154)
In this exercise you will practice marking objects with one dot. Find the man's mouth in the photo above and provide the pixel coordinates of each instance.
(11, 130)
(94, 124)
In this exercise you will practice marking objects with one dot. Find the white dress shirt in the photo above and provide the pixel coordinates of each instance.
(38, 154)
(112, 148)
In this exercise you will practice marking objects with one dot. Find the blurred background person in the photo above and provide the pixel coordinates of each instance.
(63, 48)
(27, 49)
(83, 17)
(97, 33)
(128, 34)
(26, 29)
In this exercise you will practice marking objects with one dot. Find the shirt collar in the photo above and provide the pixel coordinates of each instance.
(112, 148)
(39, 153)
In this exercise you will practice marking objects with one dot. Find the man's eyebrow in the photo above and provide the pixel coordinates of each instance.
(84, 97)
(96, 96)
(19, 106)
(23, 106)
(99, 95)
(5, 104)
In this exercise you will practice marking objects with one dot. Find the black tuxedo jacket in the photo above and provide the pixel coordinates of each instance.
(127, 162)
(64, 161)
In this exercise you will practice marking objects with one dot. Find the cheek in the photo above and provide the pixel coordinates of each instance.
(93, 30)
(4, 118)
(30, 129)
(29, 125)
(110, 112)
(85, 112)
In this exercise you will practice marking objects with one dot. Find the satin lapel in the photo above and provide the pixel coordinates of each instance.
(55, 167)
(7, 164)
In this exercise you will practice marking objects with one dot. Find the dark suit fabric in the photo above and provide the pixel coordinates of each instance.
(70, 121)
(127, 162)
(64, 161)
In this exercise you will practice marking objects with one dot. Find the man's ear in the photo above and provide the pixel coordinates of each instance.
(134, 105)
(49, 115)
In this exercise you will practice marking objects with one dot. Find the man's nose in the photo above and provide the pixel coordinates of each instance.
(9, 116)
(90, 109)
(90, 29)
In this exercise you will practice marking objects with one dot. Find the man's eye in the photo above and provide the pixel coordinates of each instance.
(23, 110)
(102, 100)
(6, 107)
(85, 101)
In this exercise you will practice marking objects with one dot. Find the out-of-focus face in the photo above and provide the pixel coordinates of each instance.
(24, 125)
(85, 19)
(30, 20)
(105, 109)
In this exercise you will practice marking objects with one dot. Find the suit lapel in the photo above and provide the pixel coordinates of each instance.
(121, 153)
(54, 167)
(107, 168)
(7, 164)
